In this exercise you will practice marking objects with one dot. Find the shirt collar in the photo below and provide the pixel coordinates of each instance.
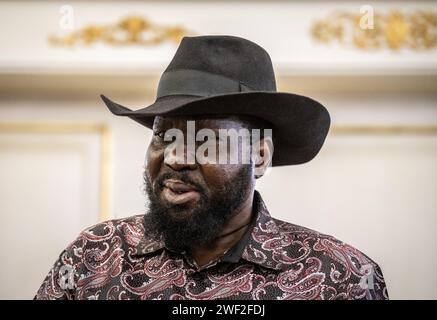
(265, 242)
(261, 244)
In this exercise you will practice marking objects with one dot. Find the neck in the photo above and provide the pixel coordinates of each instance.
(230, 235)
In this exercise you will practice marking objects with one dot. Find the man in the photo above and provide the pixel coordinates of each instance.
(207, 233)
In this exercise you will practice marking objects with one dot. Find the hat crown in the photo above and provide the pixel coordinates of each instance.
(232, 57)
(223, 75)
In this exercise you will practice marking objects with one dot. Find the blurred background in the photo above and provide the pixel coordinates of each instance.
(66, 163)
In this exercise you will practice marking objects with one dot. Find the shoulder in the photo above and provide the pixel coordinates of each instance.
(109, 239)
(323, 245)
(96, 251)
(342, 266)
(124, 231)
(115, 227)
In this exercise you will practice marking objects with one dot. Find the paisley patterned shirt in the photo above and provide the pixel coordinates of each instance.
(273, 260)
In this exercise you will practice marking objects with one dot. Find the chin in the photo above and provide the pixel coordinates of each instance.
(181, 212)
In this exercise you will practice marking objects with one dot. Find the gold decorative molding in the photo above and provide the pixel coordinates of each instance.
(395, 30)
(132, 30)
(73, 128)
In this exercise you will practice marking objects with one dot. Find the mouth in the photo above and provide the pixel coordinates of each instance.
(178, 192)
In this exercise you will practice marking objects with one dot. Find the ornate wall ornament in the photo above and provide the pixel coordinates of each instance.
(395, 30)
(132, 30)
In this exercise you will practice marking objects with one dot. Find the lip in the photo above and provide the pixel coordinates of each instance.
(178, 192)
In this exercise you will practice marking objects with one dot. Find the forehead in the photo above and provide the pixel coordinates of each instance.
(203, 121)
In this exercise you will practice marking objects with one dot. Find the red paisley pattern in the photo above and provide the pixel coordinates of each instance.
(116, 260)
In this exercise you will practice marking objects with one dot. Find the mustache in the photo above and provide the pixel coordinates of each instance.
(177, 175)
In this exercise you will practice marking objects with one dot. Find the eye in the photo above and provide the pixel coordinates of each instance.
(159, 134)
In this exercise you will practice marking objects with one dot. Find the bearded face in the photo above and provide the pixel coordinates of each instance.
(190, 203)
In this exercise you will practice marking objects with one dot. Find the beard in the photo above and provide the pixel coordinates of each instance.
(184, 226)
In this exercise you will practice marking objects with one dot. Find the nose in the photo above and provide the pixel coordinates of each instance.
(180, 157)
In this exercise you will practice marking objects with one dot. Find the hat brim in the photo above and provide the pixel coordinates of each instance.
(300, 124)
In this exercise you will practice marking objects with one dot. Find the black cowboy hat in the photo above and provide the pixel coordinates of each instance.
(226, 75)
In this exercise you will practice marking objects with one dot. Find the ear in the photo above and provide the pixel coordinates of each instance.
(262, 153)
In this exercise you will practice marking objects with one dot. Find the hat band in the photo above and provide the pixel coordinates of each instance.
(197, 83)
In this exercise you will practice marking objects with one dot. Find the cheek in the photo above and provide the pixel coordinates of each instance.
(219, 177)
(154, 160)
